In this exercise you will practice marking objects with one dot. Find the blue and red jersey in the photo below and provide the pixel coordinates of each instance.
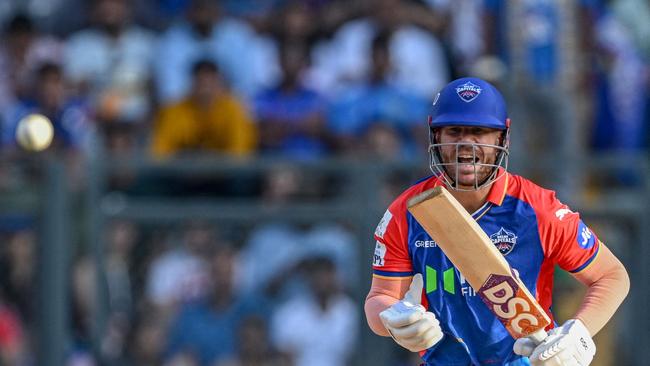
(529, 226)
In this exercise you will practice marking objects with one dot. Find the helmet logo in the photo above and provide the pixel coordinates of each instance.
(468, 91)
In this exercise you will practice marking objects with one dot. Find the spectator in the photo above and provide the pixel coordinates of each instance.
(620, 115)
(18, 272)
(208, 119)
(383, 142)
(254, 347)
(206, 33)
(12, 341)
(294, 23)
(17, 280)
(271, 271)
(419, 61)
(317, 328)
(160, 14)
(121, 238)
(69, 115)
(378, 111)
(538, 41)
(147, 338)
(205, 330)
(111, 61)
(619, 118)
(84, 308)
(22, 51)
(180, 273)
(634, 15)
(457, 17)
(291, 116)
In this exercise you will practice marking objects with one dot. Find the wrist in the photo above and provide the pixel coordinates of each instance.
(582, 324)
(577, 326)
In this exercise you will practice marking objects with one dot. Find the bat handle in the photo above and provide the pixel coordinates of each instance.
(538, 336)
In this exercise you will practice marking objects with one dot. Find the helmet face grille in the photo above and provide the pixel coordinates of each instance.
(449, 171)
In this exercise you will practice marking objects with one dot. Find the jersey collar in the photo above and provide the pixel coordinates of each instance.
(499, 188)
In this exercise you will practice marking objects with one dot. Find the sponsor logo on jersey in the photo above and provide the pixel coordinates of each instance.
(380, 253)
(562, 212)
(585, 237)
(449, 283)
(468, 91)
(383, 224)
(504, 240)
(425, 244)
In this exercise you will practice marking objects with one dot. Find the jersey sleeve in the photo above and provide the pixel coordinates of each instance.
(391, 258)
(566, 239)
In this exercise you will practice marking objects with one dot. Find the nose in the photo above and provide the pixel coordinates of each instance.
(466, 135)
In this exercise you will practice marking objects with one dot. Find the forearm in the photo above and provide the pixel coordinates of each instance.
(608, 285)
(375, 305)
(383, 294)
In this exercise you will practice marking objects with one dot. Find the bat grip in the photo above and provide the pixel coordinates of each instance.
(538, 336)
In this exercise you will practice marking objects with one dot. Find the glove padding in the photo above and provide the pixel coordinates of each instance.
(408, 322)
(568, 345)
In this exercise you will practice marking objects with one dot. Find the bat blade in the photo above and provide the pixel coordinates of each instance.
(471, 251)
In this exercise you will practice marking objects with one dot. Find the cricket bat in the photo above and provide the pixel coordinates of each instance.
(480, 262)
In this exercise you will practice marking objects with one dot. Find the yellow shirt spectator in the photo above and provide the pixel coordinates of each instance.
(208, 120)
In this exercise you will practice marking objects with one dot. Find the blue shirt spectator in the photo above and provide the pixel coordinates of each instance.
(70, 116)
(355, 110)
(207, 334)
(539, 36)
(379, 101)
(293, 108)
(206, 330)
(291, 116)
(71, 123)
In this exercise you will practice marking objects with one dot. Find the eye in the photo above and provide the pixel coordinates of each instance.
(454, 131)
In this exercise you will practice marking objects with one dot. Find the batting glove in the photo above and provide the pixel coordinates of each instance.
(408, 322)
(568, 345)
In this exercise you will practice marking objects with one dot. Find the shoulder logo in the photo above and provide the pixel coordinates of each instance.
(468, 91)
(562, 212)
(383, 224)
(504, 240)
(585, 237)
(380, 253)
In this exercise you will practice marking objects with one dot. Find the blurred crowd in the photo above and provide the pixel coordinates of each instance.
(288, 79)
(316, 78)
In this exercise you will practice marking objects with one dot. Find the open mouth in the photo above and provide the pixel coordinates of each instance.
(467, 159)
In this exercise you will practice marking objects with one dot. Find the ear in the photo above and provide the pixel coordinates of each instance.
(504, 139)
(435, 134)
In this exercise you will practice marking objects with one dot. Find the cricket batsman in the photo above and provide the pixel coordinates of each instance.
(417, 296)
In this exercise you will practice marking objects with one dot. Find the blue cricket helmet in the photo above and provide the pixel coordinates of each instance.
(469, 102)
(476, 103)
